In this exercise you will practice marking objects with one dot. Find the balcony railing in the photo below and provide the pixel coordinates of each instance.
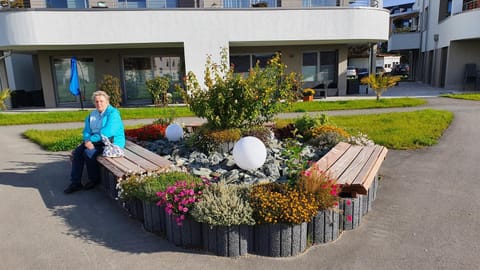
(471, 4)
(159, 4)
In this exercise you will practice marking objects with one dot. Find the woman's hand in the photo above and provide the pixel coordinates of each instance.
(89, 145)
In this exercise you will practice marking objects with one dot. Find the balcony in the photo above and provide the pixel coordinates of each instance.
(159, 4)
(471, 4)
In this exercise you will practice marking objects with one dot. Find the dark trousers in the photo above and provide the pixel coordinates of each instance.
(80, 159)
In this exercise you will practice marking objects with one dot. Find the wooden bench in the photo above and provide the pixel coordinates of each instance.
(137, 161)
(354, 167)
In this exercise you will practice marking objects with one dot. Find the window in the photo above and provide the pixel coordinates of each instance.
(138, 70)
(320, 67)
(247, 3)
(132, 3)
(319, 3)
(242, 63)
(86, 76)
(67, 3)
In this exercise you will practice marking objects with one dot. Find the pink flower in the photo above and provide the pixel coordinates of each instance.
(349, 202)
(349, 218)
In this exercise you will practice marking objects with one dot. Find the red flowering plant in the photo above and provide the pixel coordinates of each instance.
(150, 132)
(180, 197)
(325, 188)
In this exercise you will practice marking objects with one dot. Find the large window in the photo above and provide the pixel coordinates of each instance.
(147, 3)
(86, 76)
(319, 3)
(138, 70)
(67, 3)
(243, 62)
(320, 67)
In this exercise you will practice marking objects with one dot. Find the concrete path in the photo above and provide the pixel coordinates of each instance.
(425, 217)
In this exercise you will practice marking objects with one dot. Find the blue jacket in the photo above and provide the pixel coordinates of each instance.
(112, 126)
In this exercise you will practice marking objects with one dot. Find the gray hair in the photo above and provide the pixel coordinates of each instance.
(100, 93)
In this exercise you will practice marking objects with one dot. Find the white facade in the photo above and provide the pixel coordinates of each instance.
(108, 36)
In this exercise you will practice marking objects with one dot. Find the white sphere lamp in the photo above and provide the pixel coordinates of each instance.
(174, 132)
(249, 153)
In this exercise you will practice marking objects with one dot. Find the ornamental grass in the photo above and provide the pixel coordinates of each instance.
(281, 203)
(318, 182)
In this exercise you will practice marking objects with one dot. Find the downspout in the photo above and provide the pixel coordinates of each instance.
(8, 53)
(3, 70)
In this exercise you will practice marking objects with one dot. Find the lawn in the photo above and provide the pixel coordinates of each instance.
(401, 130)
(8, 118)
(467, 96)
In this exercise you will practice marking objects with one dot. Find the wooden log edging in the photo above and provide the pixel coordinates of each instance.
(188, 235)
(351, 213)
(154, 218)
(325, 226)
(228, 241)
(280, 240)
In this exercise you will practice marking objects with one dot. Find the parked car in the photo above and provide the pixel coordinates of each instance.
(401, 69)
(351, 72)
(362, 73)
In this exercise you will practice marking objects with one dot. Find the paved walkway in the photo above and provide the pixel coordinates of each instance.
(425, 216)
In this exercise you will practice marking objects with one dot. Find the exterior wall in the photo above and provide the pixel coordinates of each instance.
(47, 81)
(457, 58)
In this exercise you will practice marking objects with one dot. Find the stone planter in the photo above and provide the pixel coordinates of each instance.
(134, 208)
(368, 199)
(280, 240)
(228, 241)
(352, 209)
(188, 235)
(154, 218)
(325, 226)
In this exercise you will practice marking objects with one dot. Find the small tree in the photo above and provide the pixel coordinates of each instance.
(380, 83)
(233, 101)
(111, 85)
(4, 95)
(158, 88)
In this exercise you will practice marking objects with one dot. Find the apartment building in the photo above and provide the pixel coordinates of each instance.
(440, 40)
(136, 40)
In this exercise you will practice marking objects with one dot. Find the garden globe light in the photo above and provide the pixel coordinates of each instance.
(249, 153)
(174, 132)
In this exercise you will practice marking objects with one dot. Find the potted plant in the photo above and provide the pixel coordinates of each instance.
(308, 94)
(281, 212)
(324, 226)
(178, 200)
(225, 214)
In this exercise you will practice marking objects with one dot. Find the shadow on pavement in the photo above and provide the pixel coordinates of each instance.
(88, 215)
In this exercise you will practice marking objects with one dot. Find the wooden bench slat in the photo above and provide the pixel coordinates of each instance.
(143, 163)
(332, 156)
(111, 166)
(146, 154)
(344, 163)
(126, 166)
(366, 177)
(356, 166)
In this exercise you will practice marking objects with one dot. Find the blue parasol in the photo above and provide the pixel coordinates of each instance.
(74, 81)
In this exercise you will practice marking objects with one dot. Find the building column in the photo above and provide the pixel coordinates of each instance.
(196, 53)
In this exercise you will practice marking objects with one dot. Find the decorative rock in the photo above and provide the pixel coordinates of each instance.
(229, 241)
(205, 172)
(280, 240)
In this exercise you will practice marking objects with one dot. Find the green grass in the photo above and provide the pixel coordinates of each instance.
(467, 96)
(55, 140)
(400, 130)
(355, 104)
(24, 118)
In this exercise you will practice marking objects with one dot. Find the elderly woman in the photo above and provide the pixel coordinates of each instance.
(105, 120)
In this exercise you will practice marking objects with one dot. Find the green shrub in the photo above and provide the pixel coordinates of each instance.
(145, 187)
(327, 136)
(4, 95)
(307, 122)
(111, 85)
(158, 89)
(233, 101)
(261, 132)
(224, 205)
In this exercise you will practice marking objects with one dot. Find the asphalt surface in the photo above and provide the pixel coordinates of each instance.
(425, 216)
